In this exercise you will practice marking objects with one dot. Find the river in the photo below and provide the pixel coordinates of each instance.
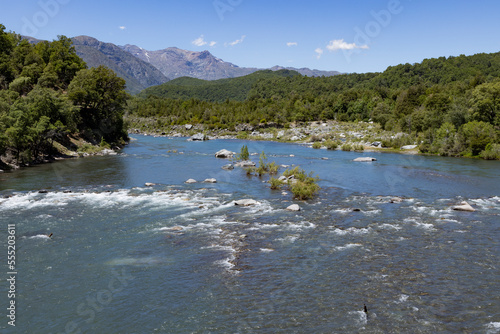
(182, 258)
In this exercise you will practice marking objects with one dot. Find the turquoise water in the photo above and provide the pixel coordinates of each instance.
(182, 258)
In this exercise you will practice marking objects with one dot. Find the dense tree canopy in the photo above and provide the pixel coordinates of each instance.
(40, 86)
(418, 99)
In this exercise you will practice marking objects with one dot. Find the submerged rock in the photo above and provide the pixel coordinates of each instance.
(464, 206)
(228, 167)
(191, 181)
(246, 202)
(212, 180)
(245, 163)
(149, 184)
(365, 159)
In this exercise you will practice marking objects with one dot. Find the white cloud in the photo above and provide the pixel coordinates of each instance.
(340, 44)
(292, 44)
(319, 51)
(122, 27)
(200, 41)
(238, 41)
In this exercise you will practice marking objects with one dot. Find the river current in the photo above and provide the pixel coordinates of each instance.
(182, 258)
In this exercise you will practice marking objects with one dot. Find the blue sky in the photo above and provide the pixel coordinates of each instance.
(348, 36)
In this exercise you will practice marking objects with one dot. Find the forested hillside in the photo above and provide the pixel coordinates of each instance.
(451, 106)
(47, 94)
(235, 89)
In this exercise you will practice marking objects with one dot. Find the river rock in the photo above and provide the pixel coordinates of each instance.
(176, 228)
(365, 159)
(409, 147)
(246, 202)
(199, 137)
(294, 207)
(149, 184)
(245, 163)
(228, 167)
(464, 206)
(396, 200)
(191, 181)
(212, 180)
(224, 154)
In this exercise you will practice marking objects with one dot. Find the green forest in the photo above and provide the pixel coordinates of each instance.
(449, 106)
(47, 94)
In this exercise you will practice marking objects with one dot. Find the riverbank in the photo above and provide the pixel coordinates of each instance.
(72, 147)
(347, 136)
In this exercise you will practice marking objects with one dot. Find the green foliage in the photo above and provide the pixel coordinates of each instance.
(100, 95)
(244, 155)
(316, 145)
(347, 147)
(276, 183)
(235, 89)
(417, 99)
(38, 104)
(491, 152)
(331, 144)
(303, 186)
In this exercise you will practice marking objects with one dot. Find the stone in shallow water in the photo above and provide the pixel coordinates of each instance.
(464, 206)
(365, 159)
(191, 181)
(246, 202)
(294, 207)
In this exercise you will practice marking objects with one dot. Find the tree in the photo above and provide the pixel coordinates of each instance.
(486, 103)
(478, 135)
(100, 95)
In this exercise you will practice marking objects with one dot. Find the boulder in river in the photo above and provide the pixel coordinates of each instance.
(246, 202)
(464, 206)
(191, 181)
(365, 159)
(228, 167)
(224, 154)
(199, 137)
(212, 180)
(293, 207)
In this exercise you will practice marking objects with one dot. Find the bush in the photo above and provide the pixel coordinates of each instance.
(303, 186)
(276, 183)
(316, 145)
(244, 155)
(491, 152)
(359, 147)
(331, 144)
(347, 147)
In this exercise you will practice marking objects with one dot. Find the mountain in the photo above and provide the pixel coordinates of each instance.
(137, 73)
(235, 89)
(307, 71)
(175, 63)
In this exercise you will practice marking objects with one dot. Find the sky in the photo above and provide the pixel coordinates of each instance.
(337, 35)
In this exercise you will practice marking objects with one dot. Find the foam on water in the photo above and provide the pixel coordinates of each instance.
(352, 231)
(347, 246)
(493, 328)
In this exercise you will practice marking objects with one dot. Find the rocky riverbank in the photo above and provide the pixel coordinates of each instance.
(330, 134)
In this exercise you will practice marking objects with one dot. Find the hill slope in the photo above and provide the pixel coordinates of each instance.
(137, 73)
(235, 89)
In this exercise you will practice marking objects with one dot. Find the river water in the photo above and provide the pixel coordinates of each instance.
(182, 258)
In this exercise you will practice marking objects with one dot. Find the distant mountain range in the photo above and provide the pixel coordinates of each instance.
(143, 68)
